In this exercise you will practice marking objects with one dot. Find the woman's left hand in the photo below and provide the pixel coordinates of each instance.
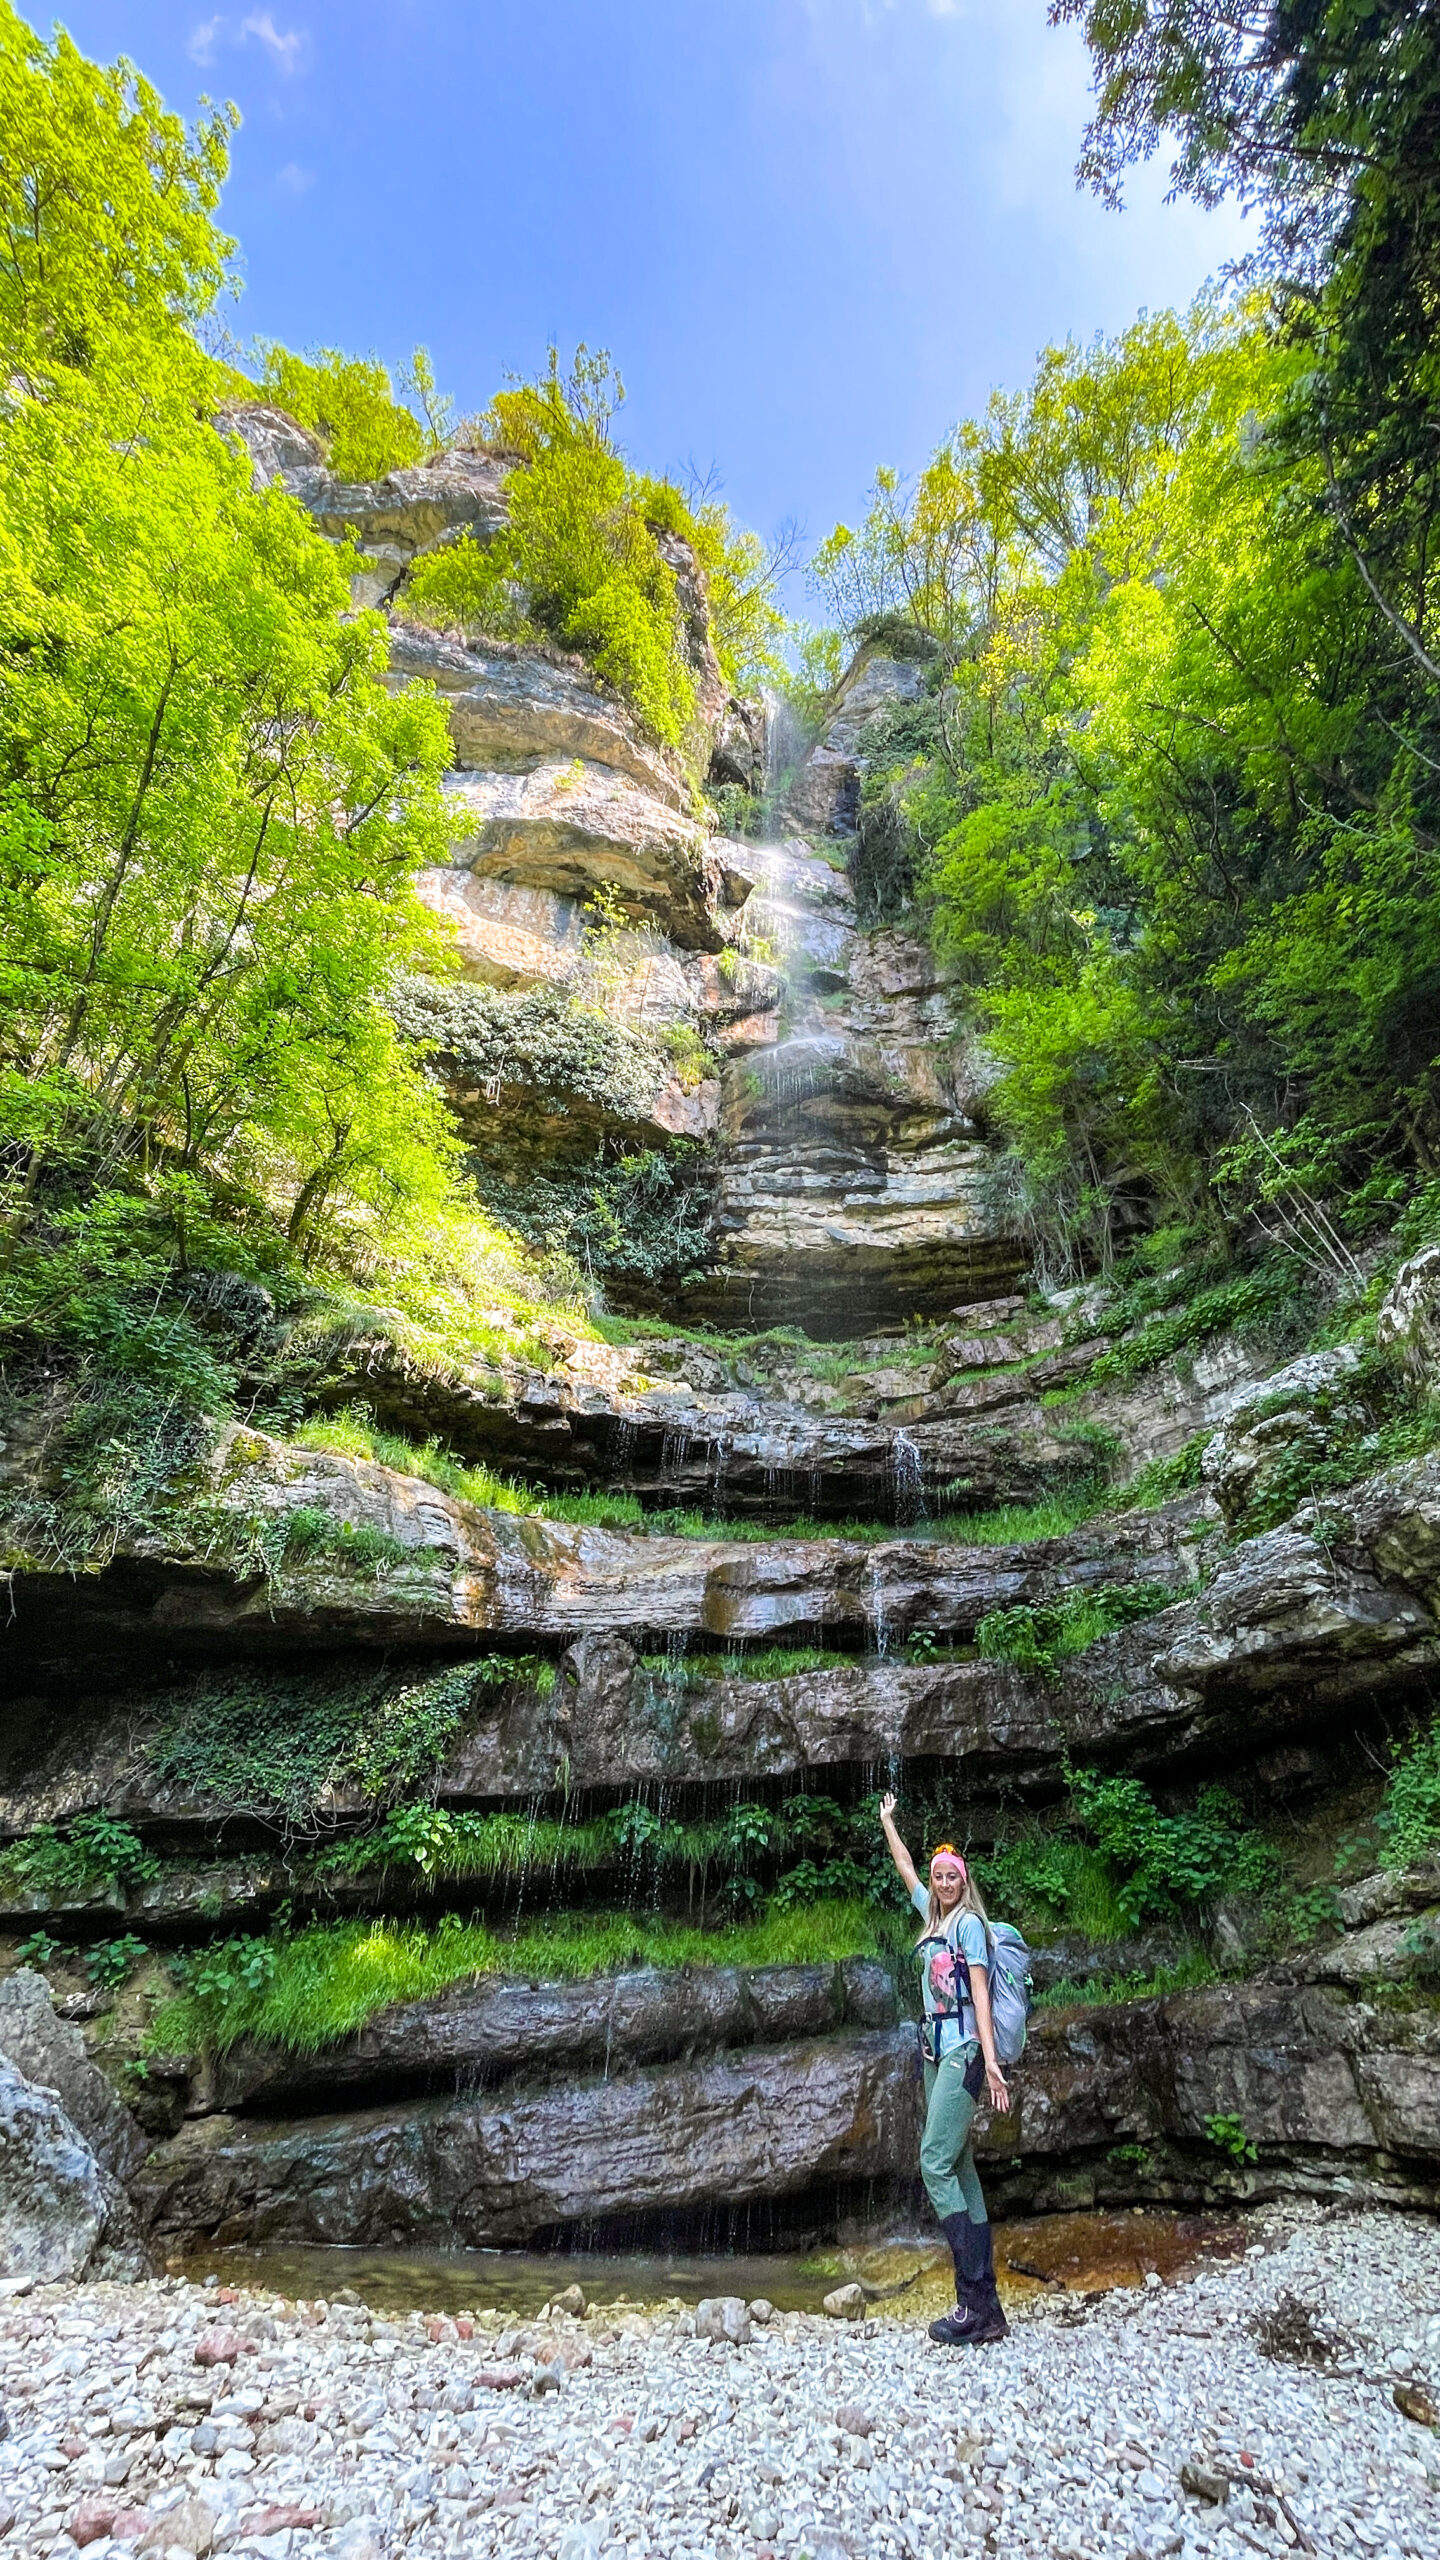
(996, 2089)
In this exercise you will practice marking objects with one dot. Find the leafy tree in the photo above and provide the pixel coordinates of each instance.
(211, 806)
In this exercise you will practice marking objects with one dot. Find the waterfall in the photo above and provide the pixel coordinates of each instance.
(785, 744)
(907, 1470)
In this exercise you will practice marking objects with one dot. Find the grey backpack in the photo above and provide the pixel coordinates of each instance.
(1011, 1992)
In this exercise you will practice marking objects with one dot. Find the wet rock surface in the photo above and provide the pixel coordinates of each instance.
(1336, 2093)
(1152, 2420)
(448, 1569)
(769, 2122)
(491, 2030)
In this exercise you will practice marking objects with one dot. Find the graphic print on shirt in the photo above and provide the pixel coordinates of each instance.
(948, 1978)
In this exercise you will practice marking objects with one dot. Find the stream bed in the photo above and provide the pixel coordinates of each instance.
(1067, 2252)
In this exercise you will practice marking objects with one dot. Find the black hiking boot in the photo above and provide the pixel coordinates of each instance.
(977, 2319)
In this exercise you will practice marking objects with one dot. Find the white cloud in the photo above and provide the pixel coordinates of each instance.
(288, 47)
(286, 50)
(201, 47)
(292, 180)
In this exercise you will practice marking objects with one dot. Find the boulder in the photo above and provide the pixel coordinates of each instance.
(62, 2216)
(1408, 1322)
(1288, 1423)
(47, 2050)
(725, 2319)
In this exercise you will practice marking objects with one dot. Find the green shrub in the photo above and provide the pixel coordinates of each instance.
(348, 403)
(113, 1960)
(1410, 1817)
(1040, 1635)
(638, 1221)
(1229, 2135)
(576, 561)
(1165, 1861)
(1116, 1862)
(92, 1849)
(1268, 1300)
(1163, 1478)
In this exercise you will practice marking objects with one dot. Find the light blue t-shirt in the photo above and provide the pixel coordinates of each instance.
(944, 1983)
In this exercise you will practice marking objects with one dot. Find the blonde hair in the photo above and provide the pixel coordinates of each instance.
(971, 1899)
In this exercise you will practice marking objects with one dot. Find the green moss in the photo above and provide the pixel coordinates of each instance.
(279, 1744)
(1191, 1973)
(771, 1662)
(542, 1042)
(1020, 1523)
(352, 1433)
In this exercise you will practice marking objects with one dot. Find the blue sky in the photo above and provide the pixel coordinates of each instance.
(813, 232)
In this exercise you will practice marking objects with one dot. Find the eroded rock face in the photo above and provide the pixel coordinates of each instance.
(511, 707)
(854, 1172)
(392, 519)
(774, 2121)
(571, 828)
(492, 2030)
(1409, 1317)
(1110, 2103)
(825, 795)
(429, 1568)
(1289, 1417)
(1342, 1600)
(1326, 2088)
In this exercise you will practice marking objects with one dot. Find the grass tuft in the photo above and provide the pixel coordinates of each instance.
(311, 1990)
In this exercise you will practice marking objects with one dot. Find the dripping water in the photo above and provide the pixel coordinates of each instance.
(907, 1475)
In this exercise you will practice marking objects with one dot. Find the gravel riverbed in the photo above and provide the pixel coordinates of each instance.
(165, 2417)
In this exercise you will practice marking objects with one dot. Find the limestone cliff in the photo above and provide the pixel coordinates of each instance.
(315, 1685)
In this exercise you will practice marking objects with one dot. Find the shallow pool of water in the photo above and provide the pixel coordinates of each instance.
(1070, 2252)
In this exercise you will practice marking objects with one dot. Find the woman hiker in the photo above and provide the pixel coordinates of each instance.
(959, 2048)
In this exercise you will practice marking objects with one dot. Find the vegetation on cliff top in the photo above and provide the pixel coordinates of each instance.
(582, 558)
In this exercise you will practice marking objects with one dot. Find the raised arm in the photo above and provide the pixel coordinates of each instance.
(905, 1864)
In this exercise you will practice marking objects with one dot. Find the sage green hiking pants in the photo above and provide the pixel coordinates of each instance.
(947, 2160)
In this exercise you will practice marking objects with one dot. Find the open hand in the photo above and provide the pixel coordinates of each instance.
(887, 1808)
(996, 2089)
